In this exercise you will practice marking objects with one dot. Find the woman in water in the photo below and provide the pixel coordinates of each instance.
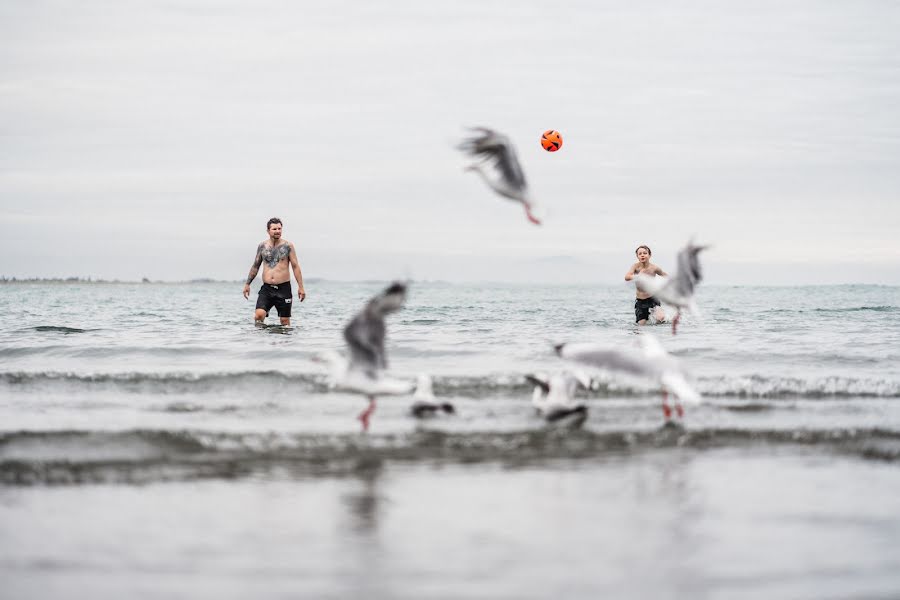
(645, 303)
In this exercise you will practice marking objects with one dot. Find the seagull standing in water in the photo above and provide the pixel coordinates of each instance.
(677, 290)
(364, 335)
(554, 397)
(649, 361)
(424, 402)
(507, 178)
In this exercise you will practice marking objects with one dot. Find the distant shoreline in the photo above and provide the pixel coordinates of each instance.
(91, 280)
(205, 280)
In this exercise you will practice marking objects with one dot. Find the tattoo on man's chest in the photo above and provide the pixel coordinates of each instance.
(273, 256)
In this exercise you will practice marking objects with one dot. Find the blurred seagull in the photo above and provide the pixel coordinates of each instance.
(424, 402)
(677, 290)
(649, 361)
(364, 335)
(554, 397)
(495, 150)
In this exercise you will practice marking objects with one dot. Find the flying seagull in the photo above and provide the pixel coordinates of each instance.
(363, 371)
(649, 361)
(677, 290)
(495, 151)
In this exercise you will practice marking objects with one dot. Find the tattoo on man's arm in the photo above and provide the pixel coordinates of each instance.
(256, 263)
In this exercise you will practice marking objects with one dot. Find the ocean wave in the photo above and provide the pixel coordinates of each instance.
(119, 352)
(752, 386)
(476, 387)
(882, 308)
(18, 351)
(139, 456)
(164, 383)
(59, 329)
(736, 356)
(758, 386)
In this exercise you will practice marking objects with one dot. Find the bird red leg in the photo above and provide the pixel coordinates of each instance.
(531, 217)
(364, 415)
(679, 409)
(675, 321)
(667, 411)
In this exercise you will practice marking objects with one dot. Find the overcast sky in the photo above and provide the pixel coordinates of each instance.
(155, 138)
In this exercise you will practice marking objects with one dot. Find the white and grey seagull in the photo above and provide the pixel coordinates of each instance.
(507, 178)
(678, 290)
(649, 361)
(424, 402)
(554, 397)
(364, 336)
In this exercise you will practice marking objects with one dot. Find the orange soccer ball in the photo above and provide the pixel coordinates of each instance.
(551, 140)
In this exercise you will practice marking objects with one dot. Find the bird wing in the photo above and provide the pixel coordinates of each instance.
(650, 284)
(365, 333)
(678, 385)
(496, 149)
(386, 386)
(688, 272)
(336, 363)
(365, 340)
(538, 400)
(562, 390)
(656, 355)
(538, 380)
(651, 347)
(601, 357)
(375, 384)
(582, 378)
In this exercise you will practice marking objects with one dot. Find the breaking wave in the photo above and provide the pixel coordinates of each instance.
(166, 383)
(139, 456)
(740, 386)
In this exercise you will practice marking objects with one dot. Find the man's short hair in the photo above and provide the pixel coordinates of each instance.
(273, 221)
(650, 252)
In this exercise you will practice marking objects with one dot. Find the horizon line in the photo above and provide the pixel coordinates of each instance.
(200, 280)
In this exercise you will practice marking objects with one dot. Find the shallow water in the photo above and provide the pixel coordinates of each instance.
(675, 523)
(153, 441)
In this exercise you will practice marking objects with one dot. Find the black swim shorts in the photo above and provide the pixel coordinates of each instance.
(643, 307)
(278, 296)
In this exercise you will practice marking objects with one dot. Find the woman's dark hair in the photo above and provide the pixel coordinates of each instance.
(273, 221)
(650, 252)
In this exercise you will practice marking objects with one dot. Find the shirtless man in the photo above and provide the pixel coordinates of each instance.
(645, 302)
(276, 287)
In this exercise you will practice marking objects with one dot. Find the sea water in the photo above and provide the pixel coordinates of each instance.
(155, 442)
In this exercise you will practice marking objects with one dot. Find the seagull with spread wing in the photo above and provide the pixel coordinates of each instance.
(363, 371)
(649, 361)
(678, 290)
(506, 178)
